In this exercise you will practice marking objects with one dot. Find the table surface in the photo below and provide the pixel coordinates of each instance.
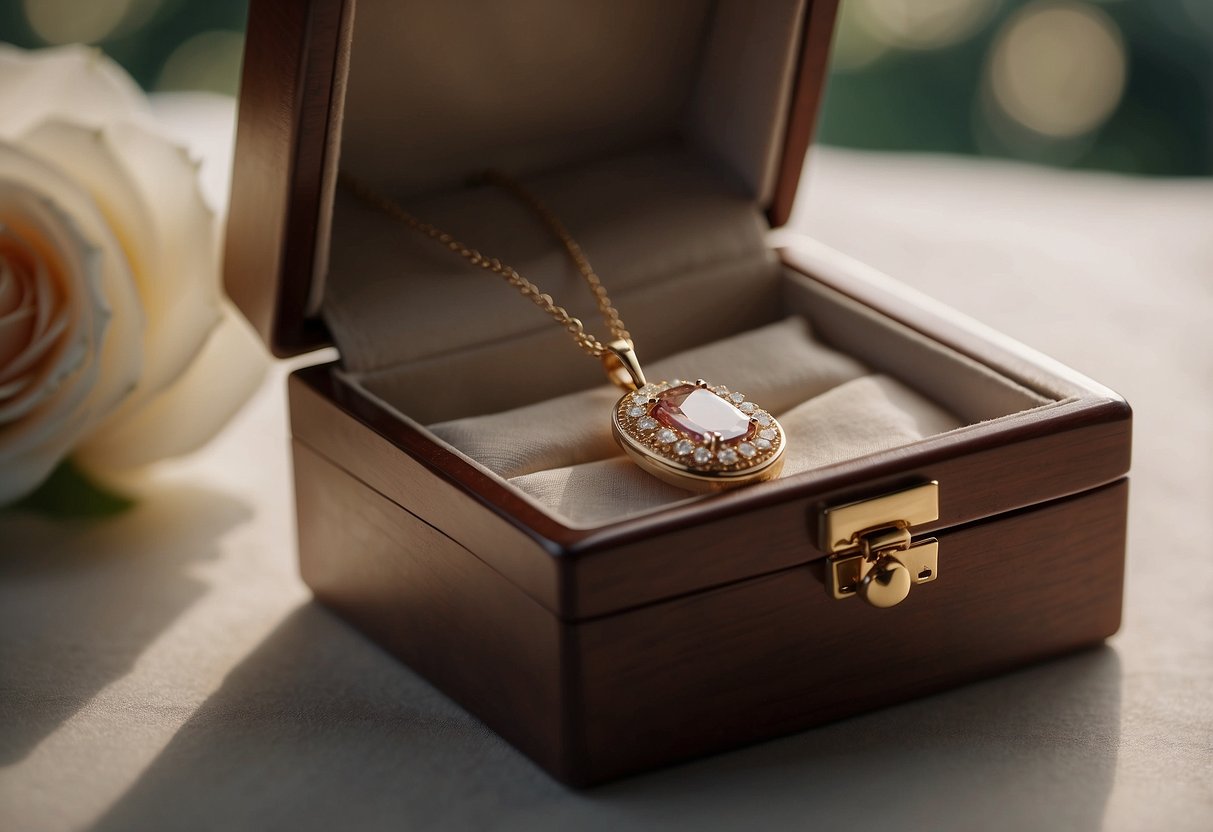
(167, 669)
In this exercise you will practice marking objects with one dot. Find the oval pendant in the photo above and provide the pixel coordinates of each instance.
(698, 436)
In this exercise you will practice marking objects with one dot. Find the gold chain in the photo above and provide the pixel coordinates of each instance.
(529, 290)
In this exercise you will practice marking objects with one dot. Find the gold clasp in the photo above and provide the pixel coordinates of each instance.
(872, 553)
(622, 365)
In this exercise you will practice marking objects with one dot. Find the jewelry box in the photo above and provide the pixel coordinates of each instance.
(952, 505)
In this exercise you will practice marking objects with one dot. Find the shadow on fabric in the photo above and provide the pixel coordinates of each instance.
(81, 601)
(319, 729)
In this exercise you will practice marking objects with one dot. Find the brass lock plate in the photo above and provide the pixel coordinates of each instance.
(921, 560)
(867, 536)
(841, 526)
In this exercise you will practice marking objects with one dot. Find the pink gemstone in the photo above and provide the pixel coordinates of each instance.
(700, 413)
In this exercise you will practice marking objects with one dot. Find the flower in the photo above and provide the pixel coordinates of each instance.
(117, 346)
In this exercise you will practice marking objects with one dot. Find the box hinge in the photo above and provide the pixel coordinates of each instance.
(872, 552)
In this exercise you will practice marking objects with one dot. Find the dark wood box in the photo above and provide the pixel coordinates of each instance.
(600, 651)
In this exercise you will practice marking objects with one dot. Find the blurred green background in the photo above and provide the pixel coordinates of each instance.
(1123, 85)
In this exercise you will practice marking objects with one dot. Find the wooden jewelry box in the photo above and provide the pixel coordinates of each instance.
(459, 496)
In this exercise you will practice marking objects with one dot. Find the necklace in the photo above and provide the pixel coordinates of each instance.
(692, 434)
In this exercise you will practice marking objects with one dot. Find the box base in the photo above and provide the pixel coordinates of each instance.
(602, 698)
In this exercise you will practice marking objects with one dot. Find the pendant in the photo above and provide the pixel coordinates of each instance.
(692, 434)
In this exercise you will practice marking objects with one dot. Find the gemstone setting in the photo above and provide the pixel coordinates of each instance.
(698, 436)
(700, 414)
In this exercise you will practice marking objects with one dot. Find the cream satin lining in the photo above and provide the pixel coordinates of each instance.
(832, 407)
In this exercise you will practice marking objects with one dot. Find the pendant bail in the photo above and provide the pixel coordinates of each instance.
(622, 365)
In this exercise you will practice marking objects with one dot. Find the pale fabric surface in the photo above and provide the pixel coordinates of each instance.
(831, 407)
(779, 366)
(542, 84)
(166, 670)
(385, 281)
(861, 416)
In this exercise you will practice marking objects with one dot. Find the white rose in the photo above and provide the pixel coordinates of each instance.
(117, 347)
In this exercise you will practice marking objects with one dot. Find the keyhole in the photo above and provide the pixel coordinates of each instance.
(924, 574)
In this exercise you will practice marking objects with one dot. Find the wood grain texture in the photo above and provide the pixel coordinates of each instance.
(603, 698)
(807, 93)
(706, 626)
(602, 651)
(776, 654)
(294, 52)
(436, 606)
(1006, 464)
(412, 470)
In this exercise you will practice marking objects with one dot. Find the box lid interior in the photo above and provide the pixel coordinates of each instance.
(416, 98)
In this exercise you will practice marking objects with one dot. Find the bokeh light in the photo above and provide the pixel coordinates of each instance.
(870, 29)
(1123, 85)
(1058, 68)
(208, 61)
(926, 24)
(75, 21)
(855, 46)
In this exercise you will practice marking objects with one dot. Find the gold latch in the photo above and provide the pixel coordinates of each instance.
(872, 553)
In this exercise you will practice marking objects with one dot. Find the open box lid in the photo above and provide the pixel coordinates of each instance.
(293, 100)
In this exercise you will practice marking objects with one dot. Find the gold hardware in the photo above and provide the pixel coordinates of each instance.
(872, 553)
(881, 540)
(842, 525)
(886, 584)
(622, 365)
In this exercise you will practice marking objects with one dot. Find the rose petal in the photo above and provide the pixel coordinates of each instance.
(148, 190)
(119, 357)
(187, 414)
(31, 263)
(66, 313)
(69, 79)
(205, 123)
(80, 112)
(10, 290)
(19, 321)
(44, 413)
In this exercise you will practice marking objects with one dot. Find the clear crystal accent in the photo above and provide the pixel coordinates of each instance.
(762, 444)
(763, 419)
(703, 455)
(737, 398)
(636, 412)
(647, 423)
(683, 447)
(665, 436)
(747, 450)
(767, 433)
(747, 407)
(727, 455)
